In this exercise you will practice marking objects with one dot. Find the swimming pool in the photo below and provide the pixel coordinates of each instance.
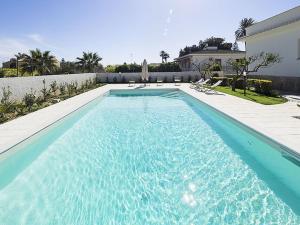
(148, 157)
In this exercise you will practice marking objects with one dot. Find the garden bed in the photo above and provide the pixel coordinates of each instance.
(253, 96)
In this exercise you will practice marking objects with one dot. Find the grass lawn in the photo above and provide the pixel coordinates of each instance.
(252, 96)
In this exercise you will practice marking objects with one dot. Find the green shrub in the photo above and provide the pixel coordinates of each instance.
(20, 109)
(75, 86)
(53, 87)
(29, 100)
(216, 67)
(263, 86)
(7, 103)
(110, 69)
(239, 84)
(62, 88)
(9, 72)
(44, 91)
(70, 89)
(164, 67)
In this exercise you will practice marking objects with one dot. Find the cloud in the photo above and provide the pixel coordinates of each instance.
(168, 21)
(36, 38)
(9, 46)
(165, 33)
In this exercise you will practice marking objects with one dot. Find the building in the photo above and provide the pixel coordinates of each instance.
(278, 34)
(11, 64)
(191, 61)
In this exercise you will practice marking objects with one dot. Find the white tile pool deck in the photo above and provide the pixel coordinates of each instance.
(276, 121)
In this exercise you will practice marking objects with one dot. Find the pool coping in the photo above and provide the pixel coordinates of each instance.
(20, 129)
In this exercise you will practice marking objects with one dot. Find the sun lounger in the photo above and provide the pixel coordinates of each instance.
(193, 84)
(211, 89)
(201, 85)
(131, 83)
(177, 81)
(159, 81)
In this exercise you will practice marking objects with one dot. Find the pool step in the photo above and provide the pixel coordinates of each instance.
(174, 95)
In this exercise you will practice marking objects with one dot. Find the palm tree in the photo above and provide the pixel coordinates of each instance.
(89, 61)
(164, 56)
(27, 65)
(41, 62)
(18, 57)
(241, 31)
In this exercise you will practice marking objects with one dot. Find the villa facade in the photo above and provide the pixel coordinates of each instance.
(278, 34)
(190, 61)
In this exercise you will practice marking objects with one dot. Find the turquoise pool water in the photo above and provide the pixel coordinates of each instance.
(148, 157)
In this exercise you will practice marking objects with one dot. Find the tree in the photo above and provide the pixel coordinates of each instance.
(38, 61)
(206, 69)
(88, 62)
(257, 62)
(241, 31)
(214, 41)
(28, 65)
(18, 56)
(235, 47)
(164, 56)
(209, 42)
(67, 67)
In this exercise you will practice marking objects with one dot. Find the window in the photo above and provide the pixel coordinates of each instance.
(218, 61)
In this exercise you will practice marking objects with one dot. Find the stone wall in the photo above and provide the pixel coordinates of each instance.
(19, 86)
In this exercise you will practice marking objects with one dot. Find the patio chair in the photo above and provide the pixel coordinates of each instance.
(177, 81)
(194, 84)
(211, 89)
(131, 83)
(159, 81)
(201, 85)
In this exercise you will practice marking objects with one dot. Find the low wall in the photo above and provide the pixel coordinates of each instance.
(166, 76)
(19, 86)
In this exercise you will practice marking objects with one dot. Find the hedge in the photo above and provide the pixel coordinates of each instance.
(259, 86)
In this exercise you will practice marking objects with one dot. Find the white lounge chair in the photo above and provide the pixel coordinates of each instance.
(198, 83)
(201, 85)
(193, 84)
(211, 89)
(177, 81)
(131, 83)
(159, 81)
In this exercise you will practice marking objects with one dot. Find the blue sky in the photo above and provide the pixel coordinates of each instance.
(123, 30)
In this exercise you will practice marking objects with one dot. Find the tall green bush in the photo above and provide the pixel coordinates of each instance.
(29, 100)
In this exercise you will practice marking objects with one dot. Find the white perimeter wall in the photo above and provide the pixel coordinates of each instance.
(118, 77)
(284, 41)
(19, 86)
